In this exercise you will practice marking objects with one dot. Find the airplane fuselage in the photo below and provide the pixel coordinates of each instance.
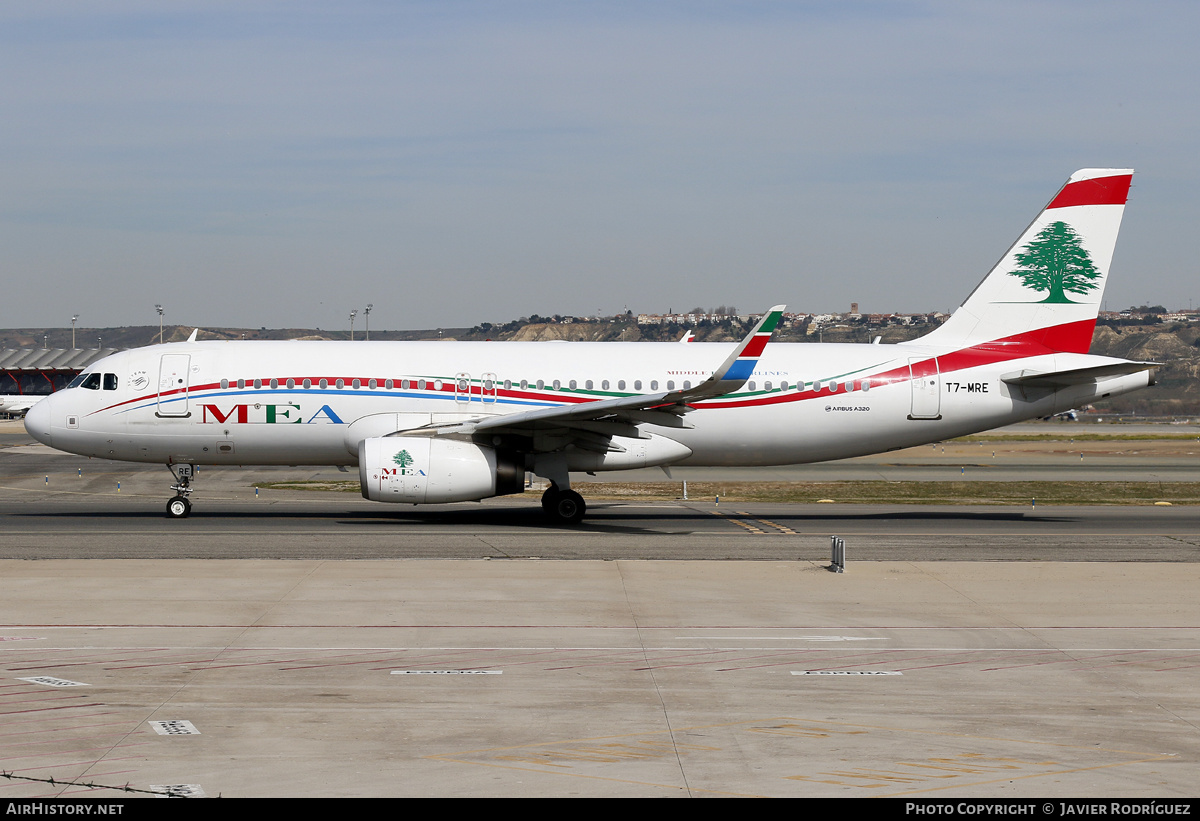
(311, 403)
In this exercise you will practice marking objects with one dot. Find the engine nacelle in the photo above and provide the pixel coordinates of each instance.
(422, 469)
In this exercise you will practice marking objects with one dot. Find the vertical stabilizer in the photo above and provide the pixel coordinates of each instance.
(1045, 292)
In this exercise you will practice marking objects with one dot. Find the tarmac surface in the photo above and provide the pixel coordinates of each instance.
(321, 645)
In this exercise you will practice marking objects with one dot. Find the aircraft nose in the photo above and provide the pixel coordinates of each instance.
(37, 421)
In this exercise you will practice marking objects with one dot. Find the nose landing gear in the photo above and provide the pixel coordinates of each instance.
(179, 507)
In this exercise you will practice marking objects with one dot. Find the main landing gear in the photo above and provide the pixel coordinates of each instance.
(564, 507)
(179, 507)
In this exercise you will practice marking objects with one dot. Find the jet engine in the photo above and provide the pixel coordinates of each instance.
(426, 470)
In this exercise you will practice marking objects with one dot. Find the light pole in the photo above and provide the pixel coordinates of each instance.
(353, 314)
(367, 316)
(73, 319)
(159, 308)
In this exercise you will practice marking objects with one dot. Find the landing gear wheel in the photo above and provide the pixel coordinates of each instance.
(567, 507)
(179, 507)
(548, 499)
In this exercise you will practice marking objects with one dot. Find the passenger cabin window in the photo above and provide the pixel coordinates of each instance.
(767, 385)
(291, 384)
(620, 384)
(224, 384)
(653, 384)
(866, 385)
(557, 385)
(751, 386)
(637, 384)
(241, 383)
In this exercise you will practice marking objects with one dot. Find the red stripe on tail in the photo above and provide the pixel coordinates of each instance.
(1100, 191)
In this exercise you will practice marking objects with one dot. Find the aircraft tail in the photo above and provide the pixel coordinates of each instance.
(1045, 292)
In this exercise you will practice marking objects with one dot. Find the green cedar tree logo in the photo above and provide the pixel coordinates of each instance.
(1056, 262)
(403, 459)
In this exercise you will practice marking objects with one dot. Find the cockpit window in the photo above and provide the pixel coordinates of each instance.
(77, 381)
(110, 381)
(91, 382)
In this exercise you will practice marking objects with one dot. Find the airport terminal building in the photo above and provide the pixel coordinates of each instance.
(42, 371)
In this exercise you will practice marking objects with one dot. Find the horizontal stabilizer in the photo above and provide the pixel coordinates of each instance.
(1078, 376)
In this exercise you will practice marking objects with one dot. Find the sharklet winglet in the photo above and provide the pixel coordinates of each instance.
(737, 368)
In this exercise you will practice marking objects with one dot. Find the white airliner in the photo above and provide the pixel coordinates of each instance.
(16, 403)
(431, 422)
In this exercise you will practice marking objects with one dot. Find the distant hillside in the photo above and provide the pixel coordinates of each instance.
(1177, 346)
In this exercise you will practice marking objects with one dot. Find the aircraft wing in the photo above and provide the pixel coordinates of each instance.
(621, 416)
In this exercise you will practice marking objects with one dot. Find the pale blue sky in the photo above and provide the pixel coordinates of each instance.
(279, 163)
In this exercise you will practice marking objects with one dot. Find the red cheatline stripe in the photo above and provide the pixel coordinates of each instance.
(1100, 191)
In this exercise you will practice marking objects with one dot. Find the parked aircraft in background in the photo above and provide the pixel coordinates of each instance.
(432, 422)
(18, 404)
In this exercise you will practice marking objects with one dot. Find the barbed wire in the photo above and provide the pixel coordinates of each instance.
(54, 782)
